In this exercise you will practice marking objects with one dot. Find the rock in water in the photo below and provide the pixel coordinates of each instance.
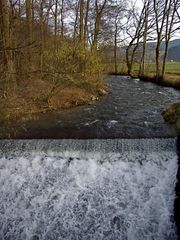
(172, 115)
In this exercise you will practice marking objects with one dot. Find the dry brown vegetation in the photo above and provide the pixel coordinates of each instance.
(172, 115)
(44, 68)
(40, 96)
(51, 51)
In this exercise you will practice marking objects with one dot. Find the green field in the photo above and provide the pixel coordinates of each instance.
(172, 72)
(171, 67)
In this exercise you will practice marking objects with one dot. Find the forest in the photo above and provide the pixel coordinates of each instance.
(55, 54)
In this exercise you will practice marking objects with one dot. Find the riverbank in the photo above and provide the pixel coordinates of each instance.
(132, 110)
(164, 82)
(40, 96)
(167, 81)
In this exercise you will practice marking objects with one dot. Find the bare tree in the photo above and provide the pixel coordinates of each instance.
(56, 18)
(160, 10)
(118, 14)
(29, 27)
(138, 23)
(62, 19)
(172, 25)
(99, 12)
(41, 34)
(147, 12)
(81, 21)
(86, 22)
(8, 50)
(75, 24)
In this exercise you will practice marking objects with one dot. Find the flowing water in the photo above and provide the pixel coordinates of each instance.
(92, 189)
(132, 110)
(114, 187)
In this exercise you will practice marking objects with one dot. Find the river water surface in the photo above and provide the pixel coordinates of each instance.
(101, 189)
(132, 110)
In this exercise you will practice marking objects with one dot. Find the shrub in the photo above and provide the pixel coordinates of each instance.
(69, 63)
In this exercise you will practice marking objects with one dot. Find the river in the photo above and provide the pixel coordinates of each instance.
(101, 189)
(132, 110)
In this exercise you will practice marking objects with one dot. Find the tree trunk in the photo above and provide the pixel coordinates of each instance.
(160, 21)
(158, 59)
(99, 12)
(29, 24)
(86, 23)
(142, 70)
(129, 67)
(172, 8)
(96, 32)
(10, 86)
(81, 22)
(56, 19)
(76, 22)
(19, 9)
(115, 48)
(165, 58)
(41, 35)
(32, 10)
(62, 19)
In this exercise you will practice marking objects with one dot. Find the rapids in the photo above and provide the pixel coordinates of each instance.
(92, 189)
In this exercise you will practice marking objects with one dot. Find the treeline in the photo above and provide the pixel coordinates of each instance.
(70, 40)
(55, 40)
(158, 21)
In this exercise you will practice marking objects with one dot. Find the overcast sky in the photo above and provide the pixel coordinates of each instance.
(139, 4)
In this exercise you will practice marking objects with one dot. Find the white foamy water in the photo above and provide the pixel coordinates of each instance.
(93, 189)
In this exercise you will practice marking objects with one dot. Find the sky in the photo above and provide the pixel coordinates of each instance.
(139, 3)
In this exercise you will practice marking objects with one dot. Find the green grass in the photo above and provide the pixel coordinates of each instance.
(173, 67)
(172, 72)
(150, 67)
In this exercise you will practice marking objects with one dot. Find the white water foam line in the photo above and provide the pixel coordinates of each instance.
(93, 189)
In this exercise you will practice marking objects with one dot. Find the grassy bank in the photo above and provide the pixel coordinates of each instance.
(171, 79)
(167, 81)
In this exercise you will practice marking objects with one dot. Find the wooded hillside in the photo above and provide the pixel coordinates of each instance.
(54, 53)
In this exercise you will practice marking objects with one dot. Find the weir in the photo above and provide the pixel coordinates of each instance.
(177, 200)
(88, 189)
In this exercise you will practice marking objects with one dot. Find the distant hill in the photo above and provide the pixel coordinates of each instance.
(174, 43)
(174, 53)
(174, 50)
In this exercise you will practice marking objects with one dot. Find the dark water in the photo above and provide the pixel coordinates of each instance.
(132, 110)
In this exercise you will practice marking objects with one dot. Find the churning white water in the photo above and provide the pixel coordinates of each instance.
(93, 189)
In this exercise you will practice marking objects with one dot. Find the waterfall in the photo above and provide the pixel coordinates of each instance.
(88, 189)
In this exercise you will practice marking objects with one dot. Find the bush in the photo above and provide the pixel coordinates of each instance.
(73, 64)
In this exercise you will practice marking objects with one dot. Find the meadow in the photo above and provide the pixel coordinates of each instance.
(172, 70)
